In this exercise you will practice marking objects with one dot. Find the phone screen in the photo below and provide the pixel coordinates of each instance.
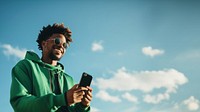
(86, 80)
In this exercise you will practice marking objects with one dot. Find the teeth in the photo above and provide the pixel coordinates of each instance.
(57, 50)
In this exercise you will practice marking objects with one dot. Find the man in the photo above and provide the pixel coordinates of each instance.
(41, 85)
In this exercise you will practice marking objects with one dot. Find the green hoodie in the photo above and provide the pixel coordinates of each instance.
(32, 87)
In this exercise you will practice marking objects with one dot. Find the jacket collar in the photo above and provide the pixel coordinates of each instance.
(30, 55)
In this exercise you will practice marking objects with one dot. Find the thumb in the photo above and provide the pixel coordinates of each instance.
(75, 86)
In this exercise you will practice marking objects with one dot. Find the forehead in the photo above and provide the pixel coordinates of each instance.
(57, 35)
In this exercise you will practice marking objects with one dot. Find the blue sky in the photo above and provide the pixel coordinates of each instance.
(144, 55)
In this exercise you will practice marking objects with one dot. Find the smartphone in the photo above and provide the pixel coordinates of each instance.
(86, 80)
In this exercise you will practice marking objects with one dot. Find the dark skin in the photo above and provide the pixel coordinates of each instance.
(51, 54)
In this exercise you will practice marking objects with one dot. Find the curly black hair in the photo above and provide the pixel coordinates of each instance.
(49, 30)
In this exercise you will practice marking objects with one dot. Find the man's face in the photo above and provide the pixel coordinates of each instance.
(54, 47)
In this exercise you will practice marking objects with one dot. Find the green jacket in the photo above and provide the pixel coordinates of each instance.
(32, 87)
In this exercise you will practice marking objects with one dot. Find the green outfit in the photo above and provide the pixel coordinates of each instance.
(33, 88)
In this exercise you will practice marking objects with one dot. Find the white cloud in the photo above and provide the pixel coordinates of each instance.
(97, 46)
(130, 97)
(93, 109)
(13, 51)
(188, 105)
(145, 81)
(155, 99)
(107, 97)
(192, 103)
(149, 51)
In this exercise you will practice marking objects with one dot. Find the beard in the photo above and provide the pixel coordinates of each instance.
(54, 57)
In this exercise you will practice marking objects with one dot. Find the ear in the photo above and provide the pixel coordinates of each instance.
(44, 43)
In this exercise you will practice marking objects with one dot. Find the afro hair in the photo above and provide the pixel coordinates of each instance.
(49, 30)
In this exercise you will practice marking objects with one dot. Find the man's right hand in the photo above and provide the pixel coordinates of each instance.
(75, 94)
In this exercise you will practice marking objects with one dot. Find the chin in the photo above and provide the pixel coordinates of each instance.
(56, 57)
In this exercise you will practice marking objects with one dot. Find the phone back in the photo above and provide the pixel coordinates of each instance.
(86, 80)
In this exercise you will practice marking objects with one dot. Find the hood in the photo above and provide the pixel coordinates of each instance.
(30, 55)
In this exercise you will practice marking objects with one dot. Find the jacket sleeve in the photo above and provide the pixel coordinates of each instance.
(21, 98)
(79, 108)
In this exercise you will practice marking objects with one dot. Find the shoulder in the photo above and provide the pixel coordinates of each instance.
(23, 65)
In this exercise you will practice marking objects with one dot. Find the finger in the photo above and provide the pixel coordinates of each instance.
(78, 96)
(80, 93)
(88, 93)
(89, 88)
(77, 100)
(81, 89)
(89, 97)
(78, 89)
(84, 88)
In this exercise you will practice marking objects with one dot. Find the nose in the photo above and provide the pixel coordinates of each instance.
(60, 45)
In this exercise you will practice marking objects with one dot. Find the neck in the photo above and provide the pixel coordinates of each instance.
(49, 61)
